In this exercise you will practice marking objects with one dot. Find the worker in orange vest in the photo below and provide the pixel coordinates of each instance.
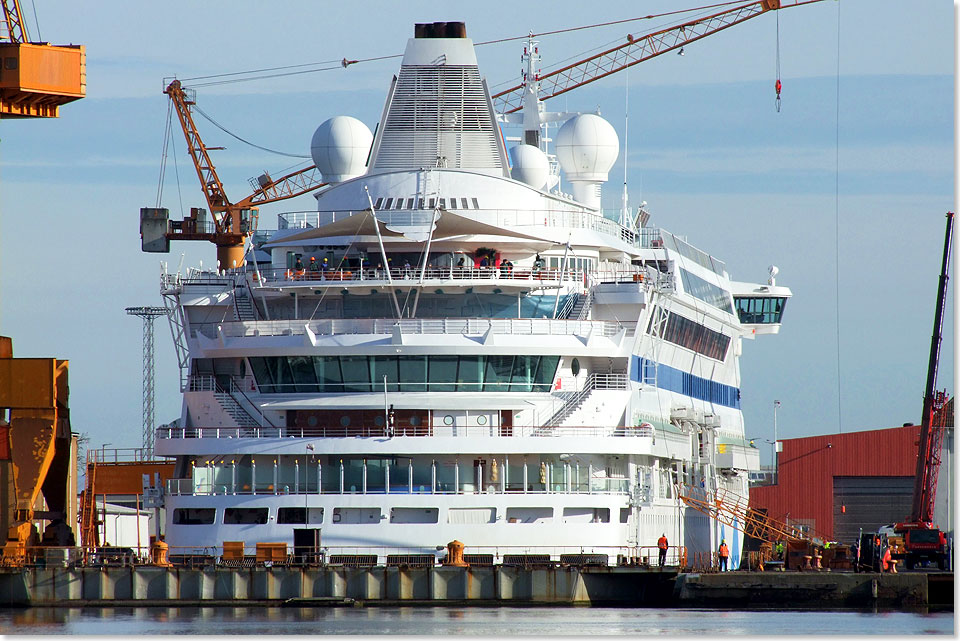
(885, 560)
(723, 553)
(663, 545)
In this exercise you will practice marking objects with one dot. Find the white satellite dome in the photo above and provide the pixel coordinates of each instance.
(530, 165)
(587, 147)
(340, 147)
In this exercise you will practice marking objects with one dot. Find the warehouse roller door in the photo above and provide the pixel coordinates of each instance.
(871, 501)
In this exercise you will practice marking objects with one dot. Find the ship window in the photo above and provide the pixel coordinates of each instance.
(547, 368)
(586, 515)
(295, 515)
(410, 203)
(524, 367)
(463, 204)
(435, 373)
(420, 203)
(399, 204)
(194, 515)
(433, 203)
(497, 378)
(453, 203)
(245, 515)
(413, 373)
(389, 204)
(303, 374)
(624, 515)
(443, 203)
(470, 374)
(471, 515)
(442, 370)
(476, 205)
(684, 332)
(414, 515)
(379, 202)
(707, 292)
(328, 374)
(529, 514)
(384, 366)
(760, 309)
(356, 515)
(356, 373)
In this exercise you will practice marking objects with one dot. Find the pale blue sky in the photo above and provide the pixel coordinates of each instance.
(707, 151)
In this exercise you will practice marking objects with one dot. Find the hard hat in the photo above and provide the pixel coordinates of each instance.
(324, 260)
(312, 258)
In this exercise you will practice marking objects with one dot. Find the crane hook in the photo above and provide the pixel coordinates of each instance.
(778, 86)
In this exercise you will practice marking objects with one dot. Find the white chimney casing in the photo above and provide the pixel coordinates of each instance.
(587, 147)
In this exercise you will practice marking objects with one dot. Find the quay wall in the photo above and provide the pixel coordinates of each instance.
(497, 585)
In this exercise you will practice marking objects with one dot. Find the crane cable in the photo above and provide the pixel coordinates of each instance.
(344, 63)
(778, 85)
(243, 140)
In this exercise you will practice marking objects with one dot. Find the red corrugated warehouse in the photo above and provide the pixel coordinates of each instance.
(839, 483)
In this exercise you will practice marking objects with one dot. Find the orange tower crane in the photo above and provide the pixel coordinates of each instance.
(36, 77)
(233, 222)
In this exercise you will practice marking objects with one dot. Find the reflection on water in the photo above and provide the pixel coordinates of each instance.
(487, 621)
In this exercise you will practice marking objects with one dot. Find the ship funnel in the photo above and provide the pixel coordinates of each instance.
(440, 30)
(439, 114)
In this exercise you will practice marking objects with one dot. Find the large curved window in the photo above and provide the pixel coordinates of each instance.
(435, 373)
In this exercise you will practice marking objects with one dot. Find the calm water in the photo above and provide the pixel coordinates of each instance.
(493, 622)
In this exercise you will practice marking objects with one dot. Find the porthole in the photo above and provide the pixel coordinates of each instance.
(312, 421)
(345, 420)
(414, 421)
(378, 421)
(481, 420)
(448, 420)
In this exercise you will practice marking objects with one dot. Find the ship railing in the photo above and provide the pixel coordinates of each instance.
(571, 400)
(119, 455)
(233, 389)
(249, 555)
(334, 482)
(409, 276)
(379, 432)
(653, 238)
(416, 326)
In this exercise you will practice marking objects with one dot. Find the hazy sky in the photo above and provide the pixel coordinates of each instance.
(850, 210)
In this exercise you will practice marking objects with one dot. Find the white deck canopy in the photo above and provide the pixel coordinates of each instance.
(448, 225)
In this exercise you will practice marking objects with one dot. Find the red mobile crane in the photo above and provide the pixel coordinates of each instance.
(922, 540)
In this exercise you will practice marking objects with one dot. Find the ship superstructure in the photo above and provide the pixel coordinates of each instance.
(453, 348)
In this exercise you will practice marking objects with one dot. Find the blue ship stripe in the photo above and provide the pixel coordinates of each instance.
(675, 380)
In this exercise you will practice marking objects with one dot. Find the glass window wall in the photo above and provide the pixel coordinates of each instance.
(435, 373)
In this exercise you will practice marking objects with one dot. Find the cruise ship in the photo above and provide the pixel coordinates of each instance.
(460, 344)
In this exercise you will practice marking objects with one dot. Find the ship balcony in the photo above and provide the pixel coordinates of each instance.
(456, 279)
(427, 440)
(413, 326)
(265, 477)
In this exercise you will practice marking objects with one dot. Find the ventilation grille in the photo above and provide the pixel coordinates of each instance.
(439, 117)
